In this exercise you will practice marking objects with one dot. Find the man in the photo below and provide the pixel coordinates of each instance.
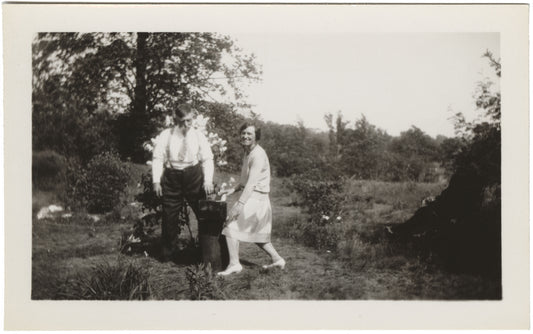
(182, 167)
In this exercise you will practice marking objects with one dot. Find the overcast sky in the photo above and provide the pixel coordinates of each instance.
(395, 80)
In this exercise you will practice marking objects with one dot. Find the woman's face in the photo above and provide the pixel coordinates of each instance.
(248, 137)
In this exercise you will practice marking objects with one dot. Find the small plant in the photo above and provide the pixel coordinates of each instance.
(152, 210)
(203, 284)
(109, 281)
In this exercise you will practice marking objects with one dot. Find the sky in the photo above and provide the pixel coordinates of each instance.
(395, 80)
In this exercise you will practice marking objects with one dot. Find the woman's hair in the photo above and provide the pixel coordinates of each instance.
(257, 129)
(184, 109)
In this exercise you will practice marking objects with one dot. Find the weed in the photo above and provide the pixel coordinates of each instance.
(203, 284)
(109, 281)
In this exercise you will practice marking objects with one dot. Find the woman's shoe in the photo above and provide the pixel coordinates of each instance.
(279, 263)
(231, 269)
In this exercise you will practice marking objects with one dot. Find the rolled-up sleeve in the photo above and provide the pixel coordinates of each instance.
(205, 156)
(159, 156)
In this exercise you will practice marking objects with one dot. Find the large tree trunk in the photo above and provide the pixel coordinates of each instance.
(139, 100)
(134, 127)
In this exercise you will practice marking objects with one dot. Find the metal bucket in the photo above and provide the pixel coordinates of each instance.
(213, 244)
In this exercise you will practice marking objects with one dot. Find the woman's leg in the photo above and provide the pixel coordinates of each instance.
(270, 250)
(234, 265)
(233, 250)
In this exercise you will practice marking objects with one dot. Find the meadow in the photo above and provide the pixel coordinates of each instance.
(82, 257)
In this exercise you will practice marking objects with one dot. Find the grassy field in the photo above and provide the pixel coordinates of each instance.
(69, 252)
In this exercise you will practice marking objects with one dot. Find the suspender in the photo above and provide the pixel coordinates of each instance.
(168, 147)
(168, 163)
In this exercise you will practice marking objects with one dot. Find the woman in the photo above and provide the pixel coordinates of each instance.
(250, 219)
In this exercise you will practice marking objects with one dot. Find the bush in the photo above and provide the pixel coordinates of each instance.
(109, 281)
(99, 187)
(323, 197)
(60, 124)
(321, 234)
(48, 170)
(320, 195)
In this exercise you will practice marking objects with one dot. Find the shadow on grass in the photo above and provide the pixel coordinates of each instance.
(187, 252)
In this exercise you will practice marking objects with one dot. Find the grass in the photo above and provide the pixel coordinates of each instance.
(362, 267)
(118, 280)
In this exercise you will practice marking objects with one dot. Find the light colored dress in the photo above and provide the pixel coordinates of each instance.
(254, 224)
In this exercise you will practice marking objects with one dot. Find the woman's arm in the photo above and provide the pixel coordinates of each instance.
(253, 176)
(256, 164)
(230, 191)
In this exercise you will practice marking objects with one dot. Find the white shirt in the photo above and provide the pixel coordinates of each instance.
(255, 173)
(168, 146)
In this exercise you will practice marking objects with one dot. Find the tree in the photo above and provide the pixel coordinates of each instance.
(134, 78)
(337, 127)
(480, 149)
(415, 150)
(363, 150)
(462, 226)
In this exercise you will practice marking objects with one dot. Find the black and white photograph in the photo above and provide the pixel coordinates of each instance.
(214, 165)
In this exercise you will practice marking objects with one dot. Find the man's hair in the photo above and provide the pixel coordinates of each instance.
(257, 129)
(184, 109)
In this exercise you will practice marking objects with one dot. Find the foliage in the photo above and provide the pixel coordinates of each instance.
(225, 121)
(203, 284)
(462, 227)
(450, 148)
(101, 184)
(60, 124)
(109, 281)
(369, 153)
(152, 209)
(414, 142)
(480, 146)
(131, 80)
(292, 149)
(337, 127)
(363, 150)
(319, 196)
(358, 270)
(324, 199)
(48, 170)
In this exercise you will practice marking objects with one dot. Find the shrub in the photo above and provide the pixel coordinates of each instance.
(48, 170)
(109, 281)
(321, 234)
(323, 197)
(74, 197)
(203, 284)
(143, 235)
(99, 187)
(320, 196)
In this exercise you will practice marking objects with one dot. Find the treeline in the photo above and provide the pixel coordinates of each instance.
(359, 150)
(110, 92)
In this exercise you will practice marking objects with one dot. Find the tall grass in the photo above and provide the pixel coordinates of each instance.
(359, 236)
(120, 280)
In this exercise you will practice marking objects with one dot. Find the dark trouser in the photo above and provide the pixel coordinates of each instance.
(177, 185)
